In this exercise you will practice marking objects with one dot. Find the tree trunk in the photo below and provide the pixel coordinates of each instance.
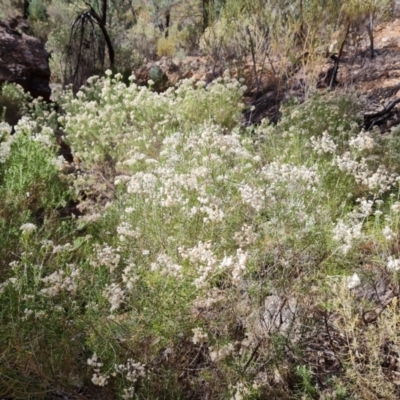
(370, 30)
(208, 7)
(167, 22)
(103, 15)
(302, 29)
(103, 28)
(26, 9)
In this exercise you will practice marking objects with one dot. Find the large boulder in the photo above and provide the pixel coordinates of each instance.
(23, 58)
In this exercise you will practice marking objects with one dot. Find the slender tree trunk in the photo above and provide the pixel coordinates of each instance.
(253, 56)
(103, 29)
(134, 14)
(302, 28)
(167, 22)
(370, 30)
(103, 15)
(26, 9)
(208, 7)
(339, 56)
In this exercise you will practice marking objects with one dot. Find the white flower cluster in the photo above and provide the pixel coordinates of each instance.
(107, 256)
(46, 137)
(59, 281)
(388, 233)
(353, 281)
(393, 263)
(132, 370)
(379, 181)
(292, 176)
(59, 248)
(246, 236)
(363, 141)
(213, 214)
(346, 234)
(126, 231)
(167, 266)
(324, 144)
(10, 281)
(206, 263)
(5, 129)
(115, 295)
(129, 276)
(395, 208)
(219, 354)
(199, 336)
(98, 378)
(25, 124)
(208, 208)
(236, 265)
(202, 257)
(364, 209)
(28, 228)
(129, 393)
(5, 150)
(122, 113)
(6, 141)
(240, 391)
(254, 197)
(59, 163)
(142, 183)
(36, 314)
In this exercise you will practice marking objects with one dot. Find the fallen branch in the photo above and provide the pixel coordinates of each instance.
(370, 120)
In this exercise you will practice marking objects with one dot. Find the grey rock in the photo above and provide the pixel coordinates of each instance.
(23, 59)
(396, 8)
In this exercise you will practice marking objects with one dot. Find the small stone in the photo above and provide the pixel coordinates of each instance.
(370, 316)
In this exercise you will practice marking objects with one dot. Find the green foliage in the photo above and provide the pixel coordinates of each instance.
(37, 10)
(31, 188)
(307, 388)
(61, 15)
(11, 8)
(13, 103)
(39, 23)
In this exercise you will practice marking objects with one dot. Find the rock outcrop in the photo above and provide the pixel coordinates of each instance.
(167, 72)
(23, 58)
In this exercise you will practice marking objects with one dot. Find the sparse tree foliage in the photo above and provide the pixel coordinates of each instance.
(86, 55)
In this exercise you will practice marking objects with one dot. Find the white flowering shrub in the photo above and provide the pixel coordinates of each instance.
(186, 255)
(113, 116)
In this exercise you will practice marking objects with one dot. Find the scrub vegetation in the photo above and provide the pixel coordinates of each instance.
(180, 254)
